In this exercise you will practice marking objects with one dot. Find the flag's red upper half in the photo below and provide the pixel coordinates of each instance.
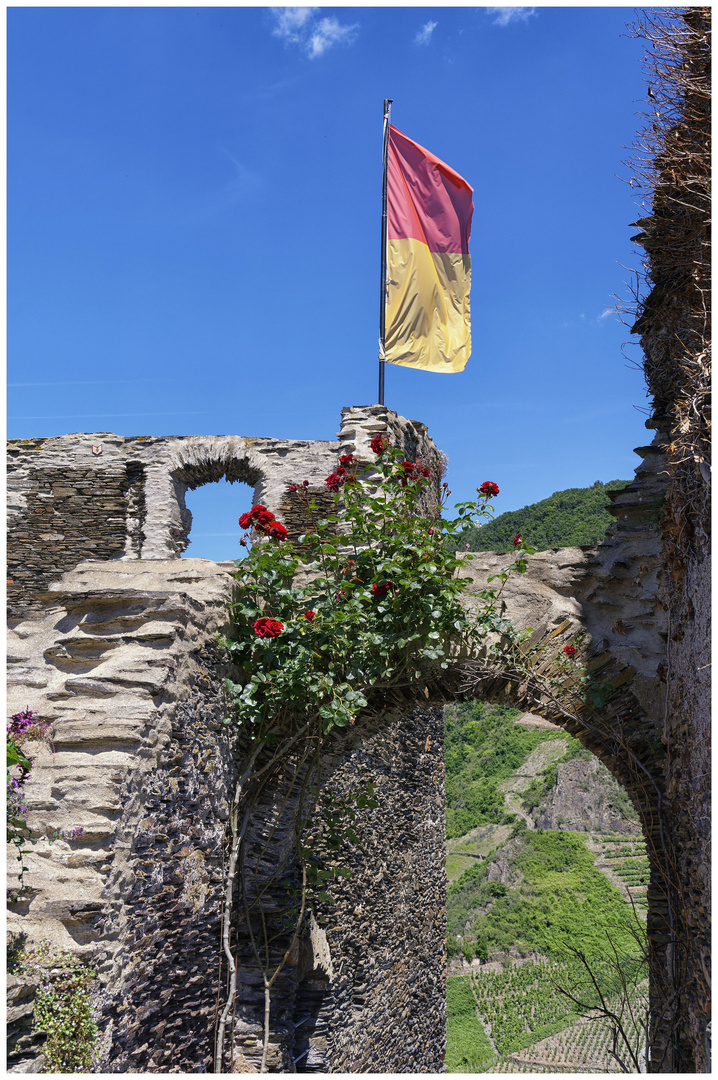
(427, 201)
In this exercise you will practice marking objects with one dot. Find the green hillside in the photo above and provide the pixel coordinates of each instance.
(566, 519)
(482, 747)
(559, 900)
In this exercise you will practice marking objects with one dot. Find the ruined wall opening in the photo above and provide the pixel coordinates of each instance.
(214, 509)
(212, 493)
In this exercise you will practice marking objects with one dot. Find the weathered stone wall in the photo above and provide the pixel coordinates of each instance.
(123, 663)
(382, 1006)
(160, 1001)
(101, 496)
(119, 659)
(105, 664)
(673, 317)
(24, 1043)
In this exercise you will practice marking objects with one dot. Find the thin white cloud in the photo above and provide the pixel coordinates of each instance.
(290, 22)
(506, 15)
(608, 311)
(423, 37)
(299, 26)
(330, 32)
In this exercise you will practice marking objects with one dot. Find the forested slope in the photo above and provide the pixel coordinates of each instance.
(567, 518)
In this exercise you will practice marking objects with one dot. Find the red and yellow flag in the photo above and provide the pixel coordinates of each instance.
(428, 267)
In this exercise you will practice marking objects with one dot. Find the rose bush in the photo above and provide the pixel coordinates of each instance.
(264, 522)
(386, 587)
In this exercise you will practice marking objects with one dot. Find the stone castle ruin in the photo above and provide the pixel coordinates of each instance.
(112, 640)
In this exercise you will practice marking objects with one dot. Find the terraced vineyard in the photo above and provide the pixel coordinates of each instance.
(530, 1026)
(627, 860)
(520, 1004)
(585, 1046)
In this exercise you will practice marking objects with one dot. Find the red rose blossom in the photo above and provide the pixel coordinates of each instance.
(379, 444)
(277, 531)
(267, 628)
(380, 591)
(347, 459)
(409, 472)
(517, 539)
(309, 615)
(335, 479)
(488, 489)
(258, 516)
(569, 650)
(263, 520)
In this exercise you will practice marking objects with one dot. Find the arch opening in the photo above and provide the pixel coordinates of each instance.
(213, 509)
(208, 527)
(545, 857)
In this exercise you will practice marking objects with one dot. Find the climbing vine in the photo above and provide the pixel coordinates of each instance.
(366, 601)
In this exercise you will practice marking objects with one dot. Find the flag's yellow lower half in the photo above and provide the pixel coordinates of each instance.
(427, 313)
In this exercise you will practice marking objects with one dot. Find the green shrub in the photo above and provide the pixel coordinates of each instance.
(62, 1006)
(561, 901)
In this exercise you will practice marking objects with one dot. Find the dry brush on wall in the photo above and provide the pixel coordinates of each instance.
(671, 163)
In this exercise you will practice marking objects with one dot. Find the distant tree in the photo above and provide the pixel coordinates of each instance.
(567, 518)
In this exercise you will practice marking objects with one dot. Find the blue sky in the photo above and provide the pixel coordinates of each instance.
(193, 230)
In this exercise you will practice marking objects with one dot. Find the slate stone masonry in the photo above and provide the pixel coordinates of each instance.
(384, 1007)
(162, 1015)
(69, 515)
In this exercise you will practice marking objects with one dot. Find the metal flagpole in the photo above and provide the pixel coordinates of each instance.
(383, 287)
